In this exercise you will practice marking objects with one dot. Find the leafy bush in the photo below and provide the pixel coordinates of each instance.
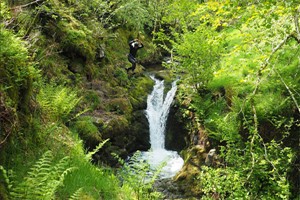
(88, 181)
(199, 56)
(133, 14)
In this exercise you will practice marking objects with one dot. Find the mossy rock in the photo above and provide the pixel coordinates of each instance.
(117, 125)
(119, 105)
(88, 132)
(91, 99)
(139, 92)
(140, 130)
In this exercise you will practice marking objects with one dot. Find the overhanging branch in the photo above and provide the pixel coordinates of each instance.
(295, 35)
(288, 89)
(267, 61)
(28, 4)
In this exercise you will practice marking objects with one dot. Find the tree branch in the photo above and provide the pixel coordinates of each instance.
(267, 61)
(4, 140)
(254, 135)
(28, 4)
(287, 87)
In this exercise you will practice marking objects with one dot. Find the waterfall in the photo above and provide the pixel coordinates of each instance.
(157, 112)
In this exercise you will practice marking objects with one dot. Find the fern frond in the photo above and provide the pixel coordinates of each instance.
(4, 175)
(77, 194)
(89, 155)
(43, 179)
(57, 102)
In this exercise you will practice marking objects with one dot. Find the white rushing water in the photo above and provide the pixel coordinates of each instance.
(157, 112)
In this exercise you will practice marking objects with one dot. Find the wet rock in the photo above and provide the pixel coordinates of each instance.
(175, 131)
(140, 129)
(172, 190)
(209, 160)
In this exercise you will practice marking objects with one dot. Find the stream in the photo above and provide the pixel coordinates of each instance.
(157, 112)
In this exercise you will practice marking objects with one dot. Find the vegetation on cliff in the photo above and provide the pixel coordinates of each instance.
(64, 90)
(242, 60)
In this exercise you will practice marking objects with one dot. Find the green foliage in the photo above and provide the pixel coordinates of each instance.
(98, 147)
(77, 195)
(224, 183)
(42, 179)
(88, 181)
(4, 183)
(4, 12)
(135, 174)
(16, 71)
(250, 90)
(87, 131)
(133, 14)
(122, 76)
(57, 102)
(244, 179)
(198, 55)
(252, 109)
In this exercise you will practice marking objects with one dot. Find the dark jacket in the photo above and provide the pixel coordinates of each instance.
(134, 46)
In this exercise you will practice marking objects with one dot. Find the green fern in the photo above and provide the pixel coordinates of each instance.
(77, 194)
(43, 179)
(138, 175)
(89, 155)
(57, 102)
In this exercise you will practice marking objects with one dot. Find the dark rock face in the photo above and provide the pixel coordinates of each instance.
(140, 130)
(124, 137)
(175, 131)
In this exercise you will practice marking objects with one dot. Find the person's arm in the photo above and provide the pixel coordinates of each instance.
(141, 45)
(131, 42)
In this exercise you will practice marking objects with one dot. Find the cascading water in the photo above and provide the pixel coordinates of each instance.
(157, 113)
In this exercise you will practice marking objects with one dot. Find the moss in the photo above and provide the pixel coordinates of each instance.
(116, 126)
(139, 92)
(88, 132)
(91, 99)
(77, 39)
(119, 105)
(16, 71)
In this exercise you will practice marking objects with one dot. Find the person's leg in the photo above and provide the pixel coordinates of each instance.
(132, 60)
(133, 66)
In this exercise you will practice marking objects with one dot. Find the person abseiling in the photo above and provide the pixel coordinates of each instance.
(134, 46)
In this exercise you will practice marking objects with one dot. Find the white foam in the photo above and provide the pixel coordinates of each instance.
(157, 113)
(170, 160)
